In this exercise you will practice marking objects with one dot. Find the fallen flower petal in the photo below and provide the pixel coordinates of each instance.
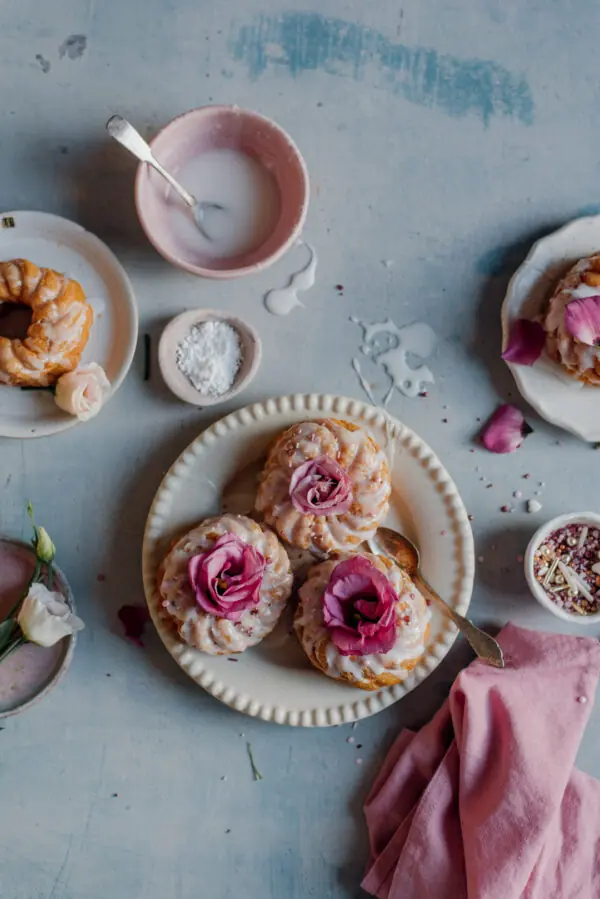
(134, 620)
(525, 342)
(505, 431)
(582, 320)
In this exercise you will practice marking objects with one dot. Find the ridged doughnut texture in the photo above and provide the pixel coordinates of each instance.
(206, 632)
(59, 329)
(369, 672)
(577, 359)
(354, 449)
(279, 684)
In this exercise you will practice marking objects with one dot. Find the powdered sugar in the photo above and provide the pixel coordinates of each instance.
(210, 357)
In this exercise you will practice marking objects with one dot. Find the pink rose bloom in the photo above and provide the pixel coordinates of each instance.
(82, 392)
(321, 487)
(227, 578)
(359, 608)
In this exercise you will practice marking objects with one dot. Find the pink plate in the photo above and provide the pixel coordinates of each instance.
(213, 128)
(31, 671)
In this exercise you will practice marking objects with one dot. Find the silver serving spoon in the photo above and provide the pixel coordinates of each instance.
(399, 548)
(132, 140)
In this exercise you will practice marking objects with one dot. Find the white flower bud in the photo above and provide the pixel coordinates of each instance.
(45, 618)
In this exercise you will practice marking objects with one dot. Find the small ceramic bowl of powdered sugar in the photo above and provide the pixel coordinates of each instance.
(207, 357)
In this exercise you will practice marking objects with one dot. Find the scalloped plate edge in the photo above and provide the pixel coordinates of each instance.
(188, 659)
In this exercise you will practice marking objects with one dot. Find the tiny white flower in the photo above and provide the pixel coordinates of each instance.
(44, 548)
(45, 618)
(82, 392)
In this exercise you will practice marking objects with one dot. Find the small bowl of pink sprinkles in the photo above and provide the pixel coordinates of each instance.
(562, 567)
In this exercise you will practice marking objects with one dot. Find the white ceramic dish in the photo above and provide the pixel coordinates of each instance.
(179, 327)
(586, 518)
(553, 394)
(57, 243)
(274, 681)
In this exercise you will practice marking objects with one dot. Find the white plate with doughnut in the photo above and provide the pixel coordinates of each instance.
(57, 243)
(554, 395)
(274, 680)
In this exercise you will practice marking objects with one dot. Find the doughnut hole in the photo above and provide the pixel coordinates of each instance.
(15, 319)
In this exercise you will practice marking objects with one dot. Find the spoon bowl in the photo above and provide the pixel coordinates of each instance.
(406, 555)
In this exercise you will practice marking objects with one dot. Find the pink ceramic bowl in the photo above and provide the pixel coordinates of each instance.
(212, 128)
(31, 672)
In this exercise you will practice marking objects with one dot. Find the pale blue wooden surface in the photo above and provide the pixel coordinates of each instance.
(441, 136)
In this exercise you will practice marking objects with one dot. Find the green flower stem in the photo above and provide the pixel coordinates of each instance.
(34, 578)
(255, 772)
(18, 641)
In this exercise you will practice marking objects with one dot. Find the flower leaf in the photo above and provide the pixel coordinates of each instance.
(7, 630)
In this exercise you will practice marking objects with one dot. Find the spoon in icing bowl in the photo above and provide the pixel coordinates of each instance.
(125, 134)
(406, 555)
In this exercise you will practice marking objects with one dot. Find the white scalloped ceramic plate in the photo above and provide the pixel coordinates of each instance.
(274, 681)
(553, 394)
(55, 242)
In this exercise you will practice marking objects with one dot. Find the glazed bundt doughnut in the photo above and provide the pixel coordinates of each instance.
(380, 662)
(245, 560)
(577, 359)
(59, 329)
(325, 486)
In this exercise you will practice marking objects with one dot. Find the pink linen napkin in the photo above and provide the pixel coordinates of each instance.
(484, 802)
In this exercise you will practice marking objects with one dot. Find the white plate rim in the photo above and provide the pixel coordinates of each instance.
(514, 300)
(197, 665)
(58, 426)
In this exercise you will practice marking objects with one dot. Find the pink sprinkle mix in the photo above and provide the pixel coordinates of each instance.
(517, 494)
(505, 509)
(443, 533)
(582, 699)
(358, 761)
(520, 558)
(350, 740)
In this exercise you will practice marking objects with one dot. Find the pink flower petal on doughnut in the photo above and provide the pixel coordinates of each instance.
(321, 487)
(525, 342)
(505, 431)
(582, 320)
(227, 578)
(359, 608)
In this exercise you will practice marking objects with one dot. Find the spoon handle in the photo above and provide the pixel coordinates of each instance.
(484, 646)
(132, 140)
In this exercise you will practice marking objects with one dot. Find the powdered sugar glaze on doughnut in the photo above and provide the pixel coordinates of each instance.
(369, 672)
(580, 361)
(357, 453)
(59, 330)
(206, 632)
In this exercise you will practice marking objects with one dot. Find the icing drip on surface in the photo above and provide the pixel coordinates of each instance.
(401, 344)
(282, 300)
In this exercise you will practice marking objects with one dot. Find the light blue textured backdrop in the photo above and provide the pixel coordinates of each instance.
(440, 136)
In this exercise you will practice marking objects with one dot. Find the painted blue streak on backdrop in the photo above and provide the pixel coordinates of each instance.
(301, 42)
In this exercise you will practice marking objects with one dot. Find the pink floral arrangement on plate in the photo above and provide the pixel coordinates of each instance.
(40, 615)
